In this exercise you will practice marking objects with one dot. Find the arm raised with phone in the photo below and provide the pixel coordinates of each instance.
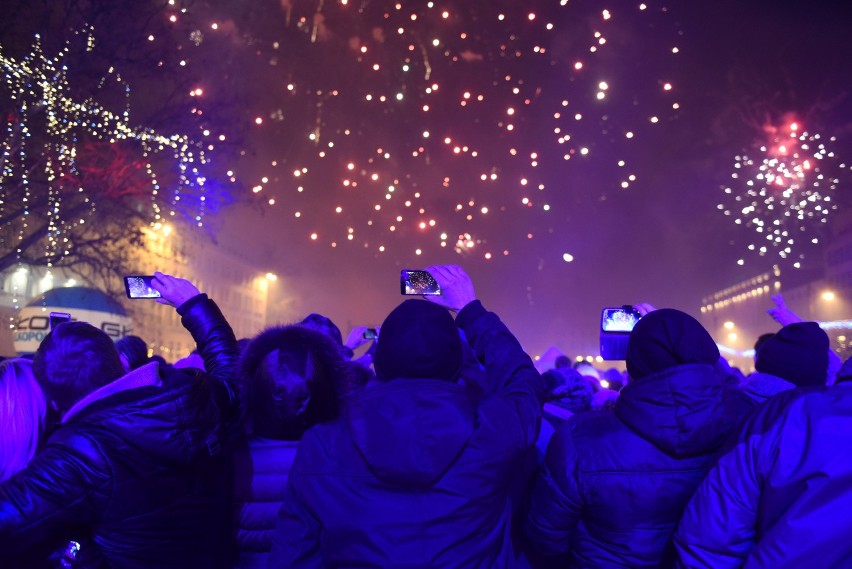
(456, 287)
(213, 336)
(509, 370)
(419, 439)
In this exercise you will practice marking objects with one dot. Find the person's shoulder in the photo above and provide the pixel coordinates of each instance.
(781, 408)
(593, 421)
(323, 435)
(81, 443)
(789, 398)
(588, 426)
(324, 448)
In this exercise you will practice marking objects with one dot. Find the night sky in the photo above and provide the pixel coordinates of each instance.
(569, 155)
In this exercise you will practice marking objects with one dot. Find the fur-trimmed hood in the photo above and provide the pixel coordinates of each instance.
(291, 377)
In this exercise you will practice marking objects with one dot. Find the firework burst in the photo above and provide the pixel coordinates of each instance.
(785, 191)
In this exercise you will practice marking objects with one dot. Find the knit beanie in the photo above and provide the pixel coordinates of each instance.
(798, 353)
(666, 338)
(419, 339)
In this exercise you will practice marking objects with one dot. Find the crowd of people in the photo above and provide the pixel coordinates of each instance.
(442, 445)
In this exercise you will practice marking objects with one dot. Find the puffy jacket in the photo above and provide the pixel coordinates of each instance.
(614, 484)
(416, 473)
(136, 475)
(781, 495)
(261, 469)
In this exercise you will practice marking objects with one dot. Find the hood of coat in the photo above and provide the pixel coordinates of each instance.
(411, 431)
(172, 415)
(680, 410)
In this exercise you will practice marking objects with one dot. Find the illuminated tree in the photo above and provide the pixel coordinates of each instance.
(105, 133)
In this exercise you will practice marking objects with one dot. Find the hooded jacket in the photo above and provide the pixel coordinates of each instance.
(415, 473)
(135, 472)
(263, 459)
(780, 495)
(614, 484)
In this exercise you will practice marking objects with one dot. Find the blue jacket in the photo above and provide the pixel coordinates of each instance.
(261, 469)
(614, 484)
(781, 495)
(416, 473)
(136, 475)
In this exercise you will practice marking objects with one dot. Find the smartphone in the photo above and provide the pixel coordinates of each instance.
(371, 334)
(415, 282)
(619, 319)
(139, 286)
(57, 318)
(616, 325)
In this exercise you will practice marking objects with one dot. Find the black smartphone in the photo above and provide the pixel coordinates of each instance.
(371, 334)
(139, 286)
(417, 282)
(57, 318)
(616, 325)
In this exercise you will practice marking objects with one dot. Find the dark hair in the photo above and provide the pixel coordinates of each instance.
(566, 385)
(290, 378)
(134, 349)
(562, 362)
(325, 325)
(73, 360)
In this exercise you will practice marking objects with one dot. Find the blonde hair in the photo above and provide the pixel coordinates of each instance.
(22, 408)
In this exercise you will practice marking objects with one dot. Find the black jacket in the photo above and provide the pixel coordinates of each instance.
(137, 476)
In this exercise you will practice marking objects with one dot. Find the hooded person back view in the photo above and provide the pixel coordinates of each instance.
(415, 473)
(780, 493)
(288, 378)
(615, 484)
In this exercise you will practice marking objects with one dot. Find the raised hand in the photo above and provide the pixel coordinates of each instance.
(643, 308)
(356, 339)
(781, 313)
(456, 287)
(174, 291)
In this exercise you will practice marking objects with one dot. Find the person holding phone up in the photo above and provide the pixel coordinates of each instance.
(416, 473)
(135, 467)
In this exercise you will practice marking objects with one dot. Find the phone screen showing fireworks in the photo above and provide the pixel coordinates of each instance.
(412, 282)
(140, 287)
(619, 319)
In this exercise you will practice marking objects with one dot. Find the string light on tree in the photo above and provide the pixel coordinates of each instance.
(69, 131)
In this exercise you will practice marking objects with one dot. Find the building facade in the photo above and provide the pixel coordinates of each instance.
(243, 292)
(737, 315)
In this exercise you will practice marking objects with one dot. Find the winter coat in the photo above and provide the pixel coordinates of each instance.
(136, 473)
(758, 387)
(780, 496)
(416, 473)
(614, 484)
(261, 469)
